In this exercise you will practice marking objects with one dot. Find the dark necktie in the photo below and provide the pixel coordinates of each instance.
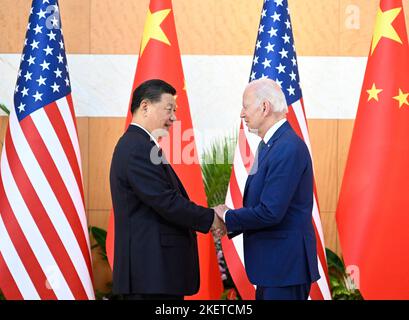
(169, 169)
(261, 147)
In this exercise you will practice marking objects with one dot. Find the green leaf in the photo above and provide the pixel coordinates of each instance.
(4, 108)
(356, 295)
(217, 161)
(217, 164)
(100, 236)
(334, 282)
(334, 261)
(339, 278)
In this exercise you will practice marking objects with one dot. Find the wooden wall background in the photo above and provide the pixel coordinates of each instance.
(205, 27)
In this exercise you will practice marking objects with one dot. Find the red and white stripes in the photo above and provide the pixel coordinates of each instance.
(44, 243)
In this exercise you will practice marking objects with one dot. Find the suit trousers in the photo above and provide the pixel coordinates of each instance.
(151, 297)
(297, 292)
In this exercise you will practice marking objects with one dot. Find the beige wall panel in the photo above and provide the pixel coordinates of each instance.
(345, 129)
(315, 27)
(357, 23)
(323, 135)
(75, 17)
(203, 27)
(235, 24)
(321, 27)
(196, 26)
(117, 25)
(3, 128)
(98, 218)
(329, 227)
(13, 24)
(103, 136)
(213, 27)
(82, 125)
(102, 271)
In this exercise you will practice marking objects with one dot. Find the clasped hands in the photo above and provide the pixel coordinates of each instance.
(218, 227)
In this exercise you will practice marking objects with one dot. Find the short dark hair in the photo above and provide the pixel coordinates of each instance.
(151, 90)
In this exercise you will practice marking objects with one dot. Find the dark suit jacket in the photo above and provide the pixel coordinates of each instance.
(276, 218)
(155, 223)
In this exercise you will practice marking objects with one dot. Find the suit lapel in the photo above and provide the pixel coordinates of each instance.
(173, 178)
(246, 187)
(263, 154)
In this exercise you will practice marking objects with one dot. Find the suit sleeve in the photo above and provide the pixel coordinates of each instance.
(281, 181)
(151, 185)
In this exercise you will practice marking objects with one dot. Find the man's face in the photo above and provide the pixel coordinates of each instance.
(162, 114)
(251, 112)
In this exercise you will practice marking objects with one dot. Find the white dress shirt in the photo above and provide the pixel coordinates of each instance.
(270, 132)
(152, 137)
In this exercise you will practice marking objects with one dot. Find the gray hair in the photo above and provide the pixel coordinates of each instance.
(267, 89)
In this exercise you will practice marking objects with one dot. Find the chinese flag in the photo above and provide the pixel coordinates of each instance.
(159, 58)
(373, 207)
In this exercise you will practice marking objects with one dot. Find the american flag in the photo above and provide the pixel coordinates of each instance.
(274, 58)
(44, 243)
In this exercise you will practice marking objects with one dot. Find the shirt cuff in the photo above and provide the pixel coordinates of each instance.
(224, 215)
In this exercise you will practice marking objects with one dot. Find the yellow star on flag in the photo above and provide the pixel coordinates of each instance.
(402, 98)
(153, 30)
(384, 28)
(373, 93)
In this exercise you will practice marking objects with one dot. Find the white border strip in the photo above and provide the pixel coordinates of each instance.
(101, 87)
(102, 84)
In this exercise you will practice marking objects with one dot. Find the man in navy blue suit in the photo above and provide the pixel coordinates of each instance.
(276, 218)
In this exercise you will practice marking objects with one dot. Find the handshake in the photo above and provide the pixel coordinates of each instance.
(218, 227)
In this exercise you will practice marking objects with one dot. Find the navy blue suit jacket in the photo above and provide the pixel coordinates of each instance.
(155, 222)
(276, 218)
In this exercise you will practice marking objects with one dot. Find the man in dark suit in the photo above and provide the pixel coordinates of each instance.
(276, 218)
(156, 255)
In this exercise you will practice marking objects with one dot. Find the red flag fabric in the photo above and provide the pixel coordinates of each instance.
(372, 213)
(44, 242)
(159, 58)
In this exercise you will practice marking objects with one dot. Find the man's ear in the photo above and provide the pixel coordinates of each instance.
(266, 107)
(144, 106)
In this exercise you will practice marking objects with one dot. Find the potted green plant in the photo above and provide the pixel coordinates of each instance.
(217, 164)
(342, 286)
